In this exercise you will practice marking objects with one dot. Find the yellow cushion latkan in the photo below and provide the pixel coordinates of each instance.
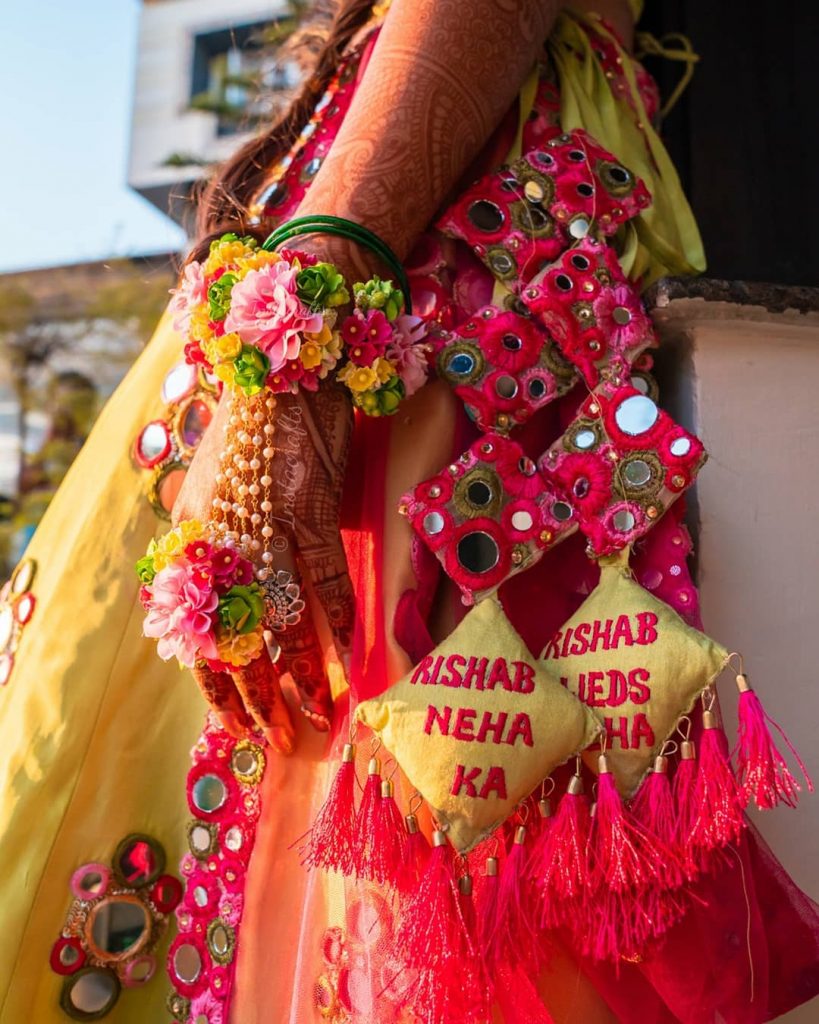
(633, 660)
(477, 725)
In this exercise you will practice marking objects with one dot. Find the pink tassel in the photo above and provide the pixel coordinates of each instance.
(685, 801)
(414, 854)
(467, 903)
(537, 862)
(718, 818)
(631, 903)
(653, 808)
(330, 842)
(432, 940)
(565, 869)
(388, 840)
(513, 936)
(762, 771)
(367, 826)
(487, 907)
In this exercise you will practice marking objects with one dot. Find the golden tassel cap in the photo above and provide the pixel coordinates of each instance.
(491, 867)
(520, 835)
(603, 765)
(687, 750)
(575, 786)
(465, 885)
(544, 807)
(438, 838)
(709, 720)
(742, 683)
(348, 754)
(660, 765)
(412, 824)
(374, 767)
(387, 789)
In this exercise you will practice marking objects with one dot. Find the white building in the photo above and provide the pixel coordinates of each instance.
(189, 50)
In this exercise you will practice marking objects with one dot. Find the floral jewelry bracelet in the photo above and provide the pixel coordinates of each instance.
(206, 601)
(269, 320)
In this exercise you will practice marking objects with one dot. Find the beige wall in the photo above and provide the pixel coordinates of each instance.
(162, 122)
(747, 381)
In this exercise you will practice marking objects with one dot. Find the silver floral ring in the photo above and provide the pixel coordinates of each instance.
(284, 605)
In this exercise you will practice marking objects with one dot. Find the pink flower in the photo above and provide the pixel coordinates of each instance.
(518, 473)
(225, 565)
(191, 293)
(180, 614)
(511, 341)
(621, 317)
(366, 336)
(208, 1006)
(265, 311)
(407, 353)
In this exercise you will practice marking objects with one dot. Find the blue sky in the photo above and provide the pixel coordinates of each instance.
(66, 77)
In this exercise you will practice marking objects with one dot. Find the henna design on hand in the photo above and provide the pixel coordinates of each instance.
(221, 694)
(259, 686)
(441, 77)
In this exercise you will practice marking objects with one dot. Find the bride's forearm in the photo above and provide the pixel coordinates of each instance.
(441, 77)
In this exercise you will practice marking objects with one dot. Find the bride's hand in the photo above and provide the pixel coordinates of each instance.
(281, 487)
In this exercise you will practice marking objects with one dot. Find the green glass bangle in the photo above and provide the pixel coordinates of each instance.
(335, 225)
(340, 227)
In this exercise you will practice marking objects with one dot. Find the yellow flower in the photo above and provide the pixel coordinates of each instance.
(258, 259)
(384, 369)
(226, 372)
(170, 546)
(334, 347)
(238, 649)
(330, 345)
(225, 254)
(226, 348)
(322, 337)
(358, 378)
(200, 324)
(310, 355)
(209, 351)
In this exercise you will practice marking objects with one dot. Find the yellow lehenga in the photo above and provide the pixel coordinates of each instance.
(95, 731)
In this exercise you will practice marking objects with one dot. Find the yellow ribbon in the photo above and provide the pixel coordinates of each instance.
(647, 45)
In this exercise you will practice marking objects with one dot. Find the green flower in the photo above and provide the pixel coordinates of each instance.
(241, 608)
(322, 286)
(145, 568)
(252, 367)
(219, 296)
(231, 236)
(367, 402)
(378, 294)
(390, 396)
(384, 401)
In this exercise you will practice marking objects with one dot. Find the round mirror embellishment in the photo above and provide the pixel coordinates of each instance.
(224, 800)
(119, 913)
(17, 604)
(166, 445)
